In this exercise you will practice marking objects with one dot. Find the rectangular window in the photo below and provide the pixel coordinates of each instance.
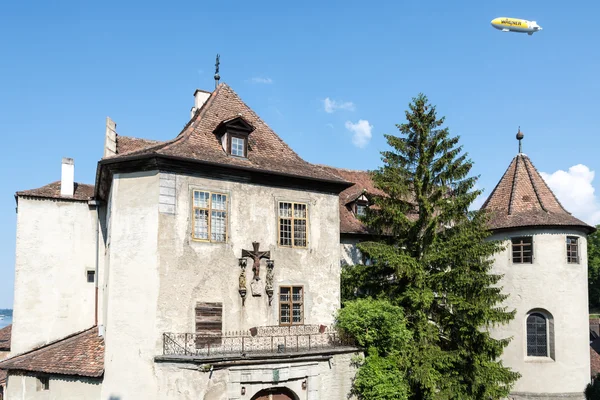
(91, 276)
(361, 209)
(238, 146)
(522, 250)
(291, 305)
(209, 216)
(572, 250)
(293, 220)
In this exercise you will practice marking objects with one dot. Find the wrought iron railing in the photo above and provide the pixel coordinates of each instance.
(267, 340)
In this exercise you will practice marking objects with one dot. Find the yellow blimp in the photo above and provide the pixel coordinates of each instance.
(506, 24)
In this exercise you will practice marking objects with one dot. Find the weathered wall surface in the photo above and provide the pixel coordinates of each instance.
(192, 271)
(324, 379)
(550, 283)
(350, 254)
(54, 249)
(26, 387)
(131, 336)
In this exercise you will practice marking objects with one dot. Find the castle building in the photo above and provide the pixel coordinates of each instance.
(203, 267)
(544, 268)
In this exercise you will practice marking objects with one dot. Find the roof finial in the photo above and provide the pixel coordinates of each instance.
(519, 138)
(217, 76)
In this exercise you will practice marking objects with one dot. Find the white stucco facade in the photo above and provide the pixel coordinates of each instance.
(156, 273)
(28, 387)
(558, 290)
(55, 247)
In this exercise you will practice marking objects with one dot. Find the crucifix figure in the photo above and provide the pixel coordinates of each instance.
(256, 255)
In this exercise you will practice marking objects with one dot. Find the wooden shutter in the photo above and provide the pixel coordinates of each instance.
(209, 323)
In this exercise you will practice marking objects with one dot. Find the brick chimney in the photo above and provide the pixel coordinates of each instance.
(67, 178)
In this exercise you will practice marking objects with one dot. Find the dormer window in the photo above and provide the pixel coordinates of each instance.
(233, 134)
(361, 208)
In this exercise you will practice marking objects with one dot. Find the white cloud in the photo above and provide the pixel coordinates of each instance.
(266, 81)
(574, 190)
(332, 106)
(362, 132)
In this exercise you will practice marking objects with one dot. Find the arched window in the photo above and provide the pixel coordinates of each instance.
(540, 334)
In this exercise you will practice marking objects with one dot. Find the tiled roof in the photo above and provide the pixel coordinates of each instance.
(266, 151)
(5, 338)
(523, 199)
(595, 357)
(3, 375)
(81, 354)
(126, 144)
(82, 192)
(362, 182)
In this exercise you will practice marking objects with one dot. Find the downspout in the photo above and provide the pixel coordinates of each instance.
(96, 204)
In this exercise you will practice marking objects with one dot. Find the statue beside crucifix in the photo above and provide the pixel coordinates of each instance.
(256, 255)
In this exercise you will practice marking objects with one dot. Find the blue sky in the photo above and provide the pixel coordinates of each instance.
(65, 66)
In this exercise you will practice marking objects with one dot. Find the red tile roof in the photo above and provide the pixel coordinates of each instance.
(5, 334)
(82, 192)
(362, 182)
(81, 354)
(3, 376)
(523, 199)
(594, 360)
(266, 151)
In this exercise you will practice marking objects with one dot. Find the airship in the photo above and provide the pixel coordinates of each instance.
(506, 24)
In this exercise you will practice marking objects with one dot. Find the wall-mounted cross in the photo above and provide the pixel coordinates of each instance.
(256, 255)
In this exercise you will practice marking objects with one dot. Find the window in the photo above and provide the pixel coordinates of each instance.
(572, 250)
(43, 383)
(361, 208)
(291, 305)
(522, 250)
(540, 334)
(209, 216)
(91, 276)
(237, 146)
(292, 224)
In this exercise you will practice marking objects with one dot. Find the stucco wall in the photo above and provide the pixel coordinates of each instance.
(26, 387)
(192, 271)
(325, 380)
(157, 273)
(550, 283)
(55, 247)
(131, 335)
(350, 254)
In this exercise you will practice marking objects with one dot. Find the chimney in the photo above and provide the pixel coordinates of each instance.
(200, 97)
(110, 138)
(67, 178)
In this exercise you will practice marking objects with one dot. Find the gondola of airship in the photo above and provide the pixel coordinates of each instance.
(506, 24)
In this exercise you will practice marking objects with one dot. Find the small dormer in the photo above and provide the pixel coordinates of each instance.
(233, 134)
(359, 206)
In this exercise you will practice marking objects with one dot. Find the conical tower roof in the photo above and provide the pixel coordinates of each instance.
(523, 199)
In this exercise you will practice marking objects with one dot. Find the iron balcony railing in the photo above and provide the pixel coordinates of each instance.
(267, 340)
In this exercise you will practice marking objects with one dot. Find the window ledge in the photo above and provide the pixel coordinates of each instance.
(530, 359)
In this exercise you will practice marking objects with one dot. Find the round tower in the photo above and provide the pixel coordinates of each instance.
(544, 268)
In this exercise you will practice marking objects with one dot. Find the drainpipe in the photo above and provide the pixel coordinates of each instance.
(96, 205)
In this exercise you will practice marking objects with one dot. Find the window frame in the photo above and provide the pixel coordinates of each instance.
(292, 225)
(550, 333)
(523, 240)
(291, 303)
(536, 334)
(244, 138)
(91, 272)
(193, 216)
(570, 251)
(360, 203)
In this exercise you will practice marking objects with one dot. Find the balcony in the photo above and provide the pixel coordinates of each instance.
(261, 342)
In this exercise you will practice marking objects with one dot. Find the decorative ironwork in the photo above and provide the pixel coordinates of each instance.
(269, 285)
(242, 290)
(260, 340)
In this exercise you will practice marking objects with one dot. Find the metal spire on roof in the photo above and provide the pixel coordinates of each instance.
(519, 138)
(217, 76)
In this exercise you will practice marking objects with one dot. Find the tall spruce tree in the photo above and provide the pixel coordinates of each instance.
(433, 259)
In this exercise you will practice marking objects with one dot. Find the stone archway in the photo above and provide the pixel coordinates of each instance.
(278, 393)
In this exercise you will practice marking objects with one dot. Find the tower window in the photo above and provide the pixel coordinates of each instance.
(572, 250)
(522, 250)
(540, 334)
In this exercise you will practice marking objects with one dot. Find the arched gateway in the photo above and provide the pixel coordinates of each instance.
(275, 394)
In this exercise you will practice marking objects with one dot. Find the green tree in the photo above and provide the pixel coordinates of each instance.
(433, 259)
(592, 389)
(379, 328)
(593, 251)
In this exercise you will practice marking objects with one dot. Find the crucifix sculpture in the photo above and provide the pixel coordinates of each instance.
(256, 255)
